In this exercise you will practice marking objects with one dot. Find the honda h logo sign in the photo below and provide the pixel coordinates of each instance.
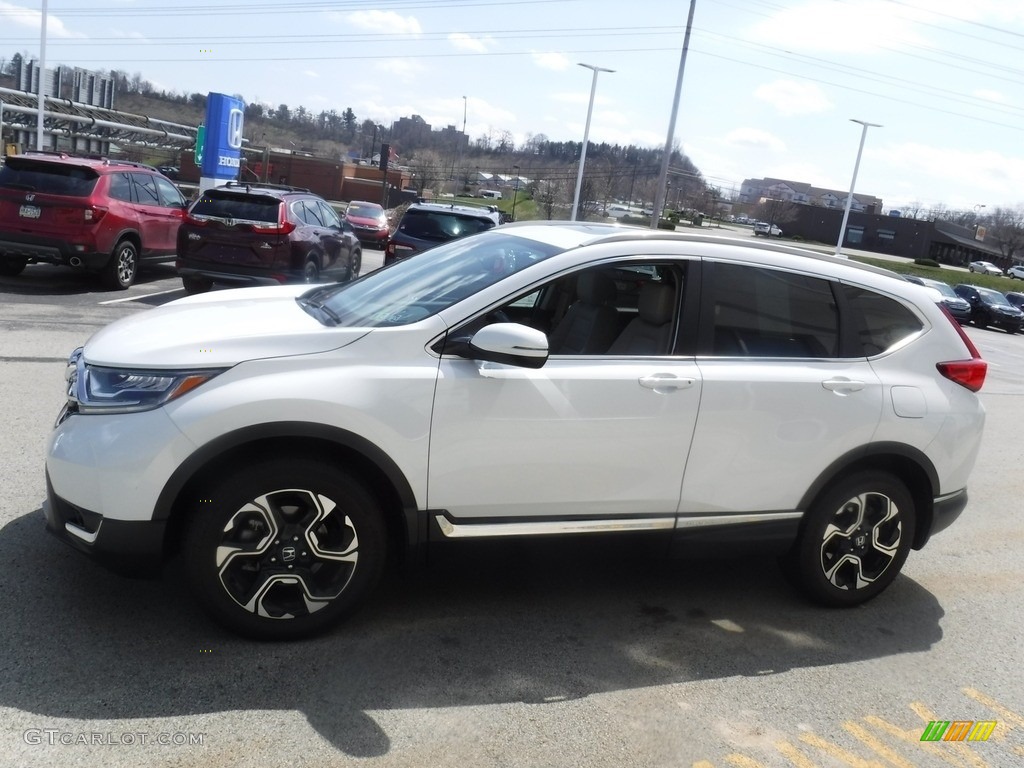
(235, 128)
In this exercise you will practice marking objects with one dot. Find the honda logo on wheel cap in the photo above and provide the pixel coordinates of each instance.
(288, 554)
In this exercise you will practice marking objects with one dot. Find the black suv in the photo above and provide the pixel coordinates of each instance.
(429, 223)
(989, 307)
(264, 234)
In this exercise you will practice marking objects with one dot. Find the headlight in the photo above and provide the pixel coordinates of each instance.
(96, 389)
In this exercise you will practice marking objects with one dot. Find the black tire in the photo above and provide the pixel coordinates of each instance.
(12, 265)
(194, 285)
(357, 264)
(282, 549)
(311, 271)
(123, 266)
(854, 540)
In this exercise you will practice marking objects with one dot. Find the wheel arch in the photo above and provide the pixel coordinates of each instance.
(365, 460)
(907, 463)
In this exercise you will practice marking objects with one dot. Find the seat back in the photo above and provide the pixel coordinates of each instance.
(650, 332)
(591, 322)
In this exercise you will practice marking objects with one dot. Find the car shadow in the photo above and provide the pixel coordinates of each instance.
(49, 280)
(485, 623)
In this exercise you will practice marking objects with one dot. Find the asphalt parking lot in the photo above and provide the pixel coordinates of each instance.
(600, 653)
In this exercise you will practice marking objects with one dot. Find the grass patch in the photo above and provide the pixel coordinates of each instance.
(943, 273)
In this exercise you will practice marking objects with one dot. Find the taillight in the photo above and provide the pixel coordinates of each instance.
(190, 219)
(967, 373)
(93, 213)
(281, 228)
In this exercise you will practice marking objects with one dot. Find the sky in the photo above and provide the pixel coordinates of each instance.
(769, 90)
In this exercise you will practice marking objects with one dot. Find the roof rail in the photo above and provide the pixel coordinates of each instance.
(265, 185)
(82, 156)
(450, 202)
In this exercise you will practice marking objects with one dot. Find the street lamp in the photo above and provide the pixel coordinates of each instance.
(515, 192)
(586, 136)
(853, 182)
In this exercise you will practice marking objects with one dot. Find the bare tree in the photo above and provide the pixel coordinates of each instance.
(1006, 230)
(428, 169)
(776, 211)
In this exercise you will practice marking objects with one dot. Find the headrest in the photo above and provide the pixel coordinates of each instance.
(595, 288)
(656, 303)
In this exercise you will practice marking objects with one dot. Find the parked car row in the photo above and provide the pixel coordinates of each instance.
(113, 216)
(983, 307)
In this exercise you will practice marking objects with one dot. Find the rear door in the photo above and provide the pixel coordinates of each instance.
(781, 400)
(45, 198)
(237, 229)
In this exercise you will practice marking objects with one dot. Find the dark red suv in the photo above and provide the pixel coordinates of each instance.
(90, 213)
(264, 234)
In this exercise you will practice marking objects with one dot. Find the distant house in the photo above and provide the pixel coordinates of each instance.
(756, 190)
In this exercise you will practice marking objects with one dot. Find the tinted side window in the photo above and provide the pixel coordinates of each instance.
(170, 197)
(305, 210)
(145, 189)
(328, 215)
(760, 312)
(883, 322)
(121, 187)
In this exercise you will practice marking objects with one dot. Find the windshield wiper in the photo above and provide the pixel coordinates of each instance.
(319, 306)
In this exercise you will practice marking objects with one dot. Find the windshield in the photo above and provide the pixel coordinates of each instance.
(441, 225)
(240, 207)
(994, 297)
(425, 284)
(366, 211)
(51, 178)
(943, 288)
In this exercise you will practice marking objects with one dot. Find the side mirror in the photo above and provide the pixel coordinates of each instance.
(511, 344)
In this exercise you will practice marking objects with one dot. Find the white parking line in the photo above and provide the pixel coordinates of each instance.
(136, 298)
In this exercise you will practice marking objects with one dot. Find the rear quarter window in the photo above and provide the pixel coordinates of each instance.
(48, 178)
(882, 322)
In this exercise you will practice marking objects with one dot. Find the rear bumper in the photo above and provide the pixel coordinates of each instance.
(131, 548)
(49, 250)
(238, 276)
(945, 510)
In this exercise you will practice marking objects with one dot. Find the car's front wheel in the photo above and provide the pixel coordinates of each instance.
(282, 549)
(120, 271)
(356, 265)
(311, 272)
(855, 539)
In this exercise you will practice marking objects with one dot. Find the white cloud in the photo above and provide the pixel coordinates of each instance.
(30, 18)
(384, 21)
(972, 171)
(754, 138)
(990, 95)
(868, 25)
(465, 42)
(579, 98)
(310, 73)
(792, 98)
(551, 60)
(403, 68)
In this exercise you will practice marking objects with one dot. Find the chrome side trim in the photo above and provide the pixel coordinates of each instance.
(706, 521)
(81, 533)
(547, 527)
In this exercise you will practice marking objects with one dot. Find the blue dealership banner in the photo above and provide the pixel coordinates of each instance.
(222, 151)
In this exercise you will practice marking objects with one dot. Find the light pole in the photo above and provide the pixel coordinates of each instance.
(586, 137)
(853, 182)
(515, 192)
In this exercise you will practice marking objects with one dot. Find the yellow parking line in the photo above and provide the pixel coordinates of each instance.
(743, 762)
(795, 756)
(837, 752)
(859, 733)
(1005, 715)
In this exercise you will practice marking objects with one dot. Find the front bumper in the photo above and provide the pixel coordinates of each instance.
(131, 548)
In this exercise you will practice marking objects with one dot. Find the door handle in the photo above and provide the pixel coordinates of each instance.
(666, 382)
(842, 385)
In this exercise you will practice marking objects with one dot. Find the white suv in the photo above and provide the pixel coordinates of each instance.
(531, 380)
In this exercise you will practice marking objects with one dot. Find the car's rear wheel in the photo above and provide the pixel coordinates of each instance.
(121, 269)
(855, 539)
(311, 272)
(357, 264)
(282, 549)
(12, 265)
(196, 285)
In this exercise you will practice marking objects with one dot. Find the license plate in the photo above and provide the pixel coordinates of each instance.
(29, 212)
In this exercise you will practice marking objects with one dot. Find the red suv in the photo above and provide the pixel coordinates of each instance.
(264, 234)
(90, 213)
